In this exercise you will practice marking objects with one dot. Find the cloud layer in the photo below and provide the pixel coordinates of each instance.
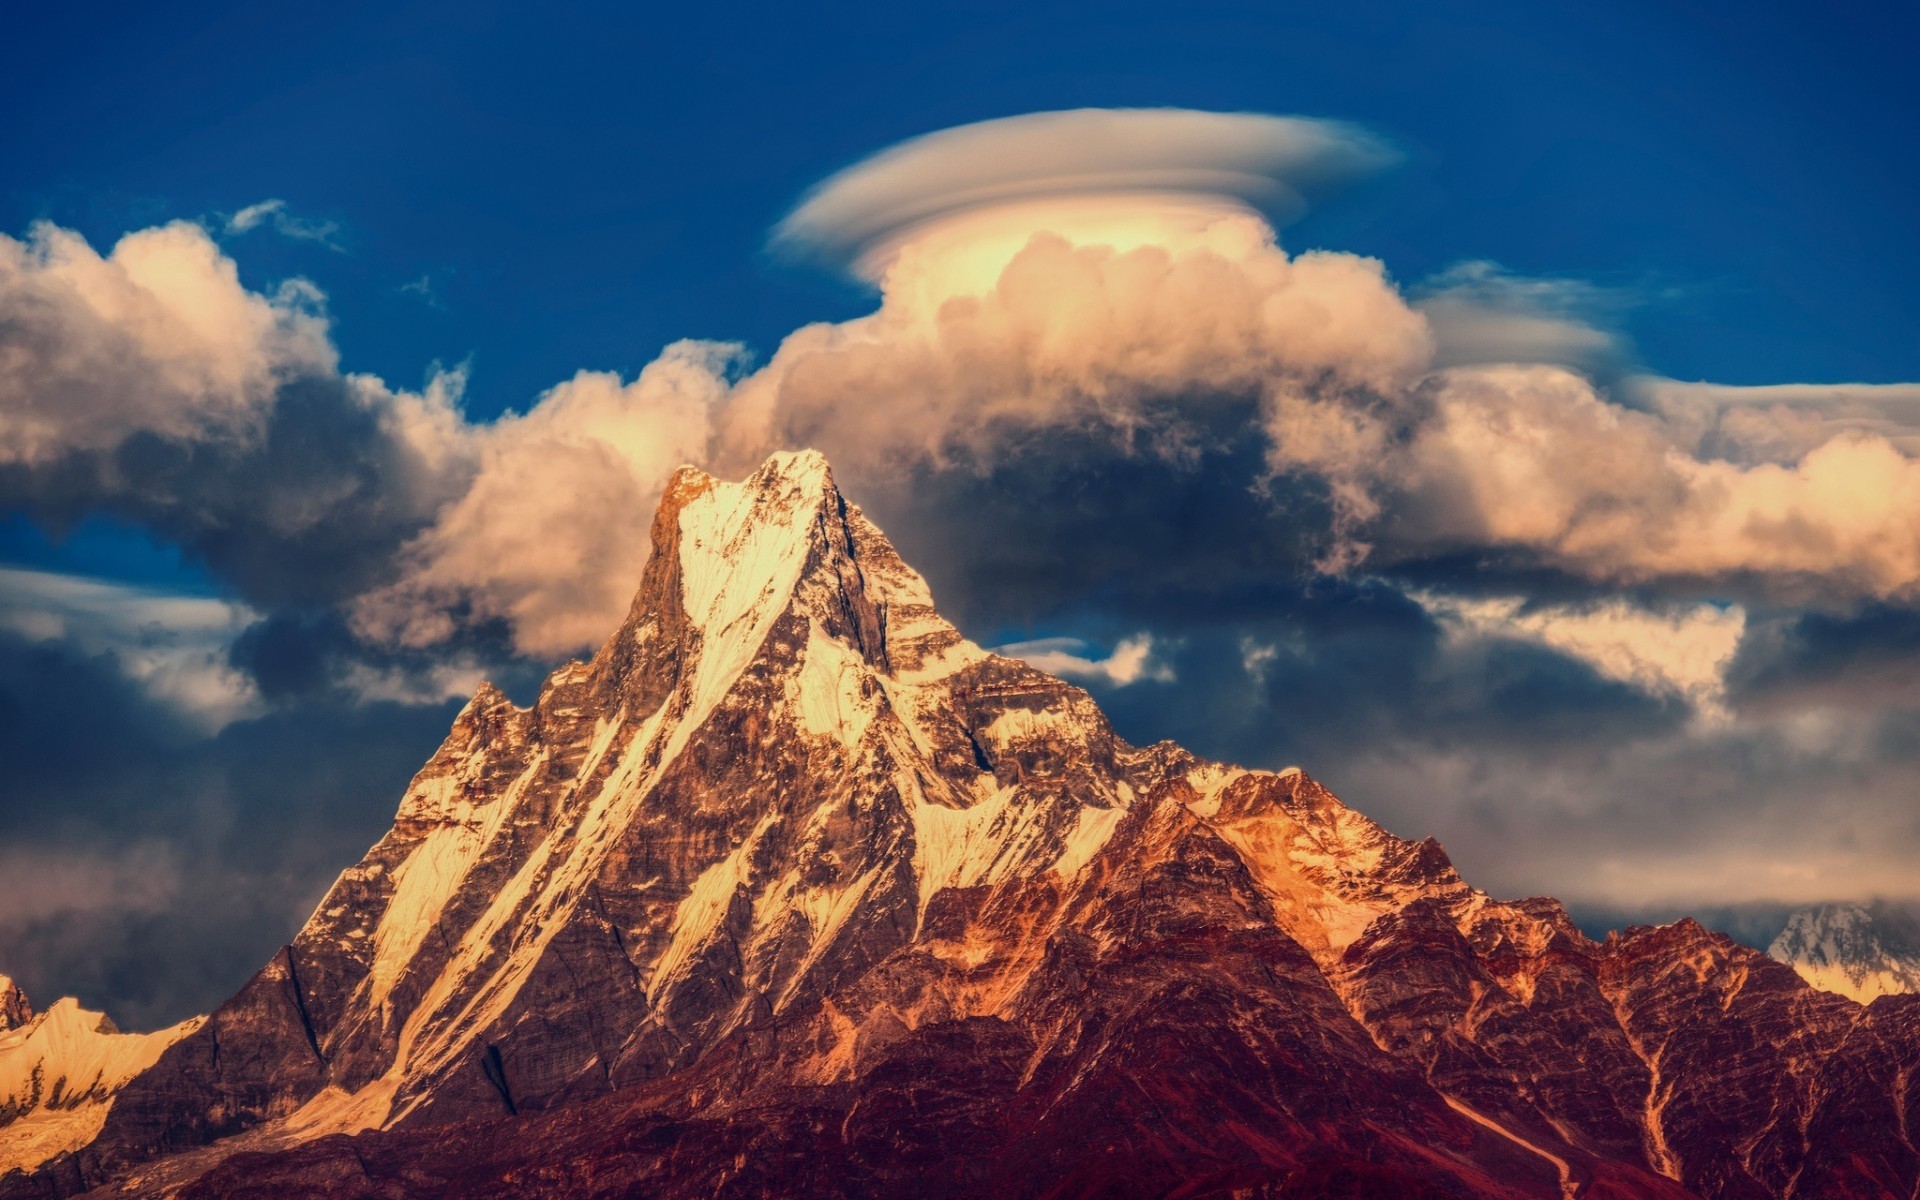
(1098, 281)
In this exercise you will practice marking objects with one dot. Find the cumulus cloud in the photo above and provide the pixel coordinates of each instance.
(1088, 287)
(551, 534)
(1539, 462)
(1684, 650)
(158, 337)
(151, 384)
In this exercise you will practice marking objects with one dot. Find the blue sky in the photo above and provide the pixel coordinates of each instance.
(518, 195)
(582, 185)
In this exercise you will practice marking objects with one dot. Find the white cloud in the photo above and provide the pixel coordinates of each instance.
(158, 337)
(1782, 422)
(1092, 167)
(1092, 274)
(1535, 459)
(1131, 660)
(552, 533)
(174, 646)
(1482, 313)
(1682, 651)
(276, 214)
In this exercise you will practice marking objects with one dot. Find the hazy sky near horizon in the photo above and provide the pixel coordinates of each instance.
(1510, 413)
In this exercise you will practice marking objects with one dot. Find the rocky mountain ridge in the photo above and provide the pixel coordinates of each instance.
(791, 891)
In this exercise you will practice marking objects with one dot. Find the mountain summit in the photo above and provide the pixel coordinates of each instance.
(793, 891)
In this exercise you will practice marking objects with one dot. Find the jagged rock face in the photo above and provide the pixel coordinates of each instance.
(1856, 950)
(793, 891)
(14, 1009)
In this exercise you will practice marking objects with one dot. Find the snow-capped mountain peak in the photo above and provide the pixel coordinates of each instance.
(1856, 950)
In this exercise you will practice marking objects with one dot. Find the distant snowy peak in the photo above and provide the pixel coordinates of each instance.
(59, 1072)
(1856, 950)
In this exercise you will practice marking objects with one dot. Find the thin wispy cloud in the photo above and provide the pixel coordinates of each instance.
(275, 215)
(424, 290)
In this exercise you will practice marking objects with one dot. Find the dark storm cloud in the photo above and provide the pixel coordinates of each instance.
(1079, 520)
(1864, 660)
(310, 509)
(152, 868)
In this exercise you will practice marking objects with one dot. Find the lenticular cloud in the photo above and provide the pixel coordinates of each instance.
(1089, 163)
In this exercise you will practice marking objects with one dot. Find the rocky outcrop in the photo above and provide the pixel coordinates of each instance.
(792, 891)
(14, 1009)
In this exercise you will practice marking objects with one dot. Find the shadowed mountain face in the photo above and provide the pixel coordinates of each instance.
(792, 891)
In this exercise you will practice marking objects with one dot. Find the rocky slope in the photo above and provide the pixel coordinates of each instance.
(1855, 950)
(792, 891)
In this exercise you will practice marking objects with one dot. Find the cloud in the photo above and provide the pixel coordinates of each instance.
(151, 866)
(1028, 303)
(1094, 175)
(425, 289)
(1131, 660)
(173, 646)
(1063, 294)
(1683, 650)
(1781, 423)
(551, 534)
(1091, 288)
(157, 337)
(276, 214)
(1537, 462)
(1866, 661)
(1482, 313)
(1551, 770)
(152, 385)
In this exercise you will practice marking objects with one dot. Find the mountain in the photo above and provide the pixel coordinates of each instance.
(1856, 950)
(792, 891)
(59, 1073)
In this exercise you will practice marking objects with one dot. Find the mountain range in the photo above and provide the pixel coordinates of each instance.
(793, 891)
